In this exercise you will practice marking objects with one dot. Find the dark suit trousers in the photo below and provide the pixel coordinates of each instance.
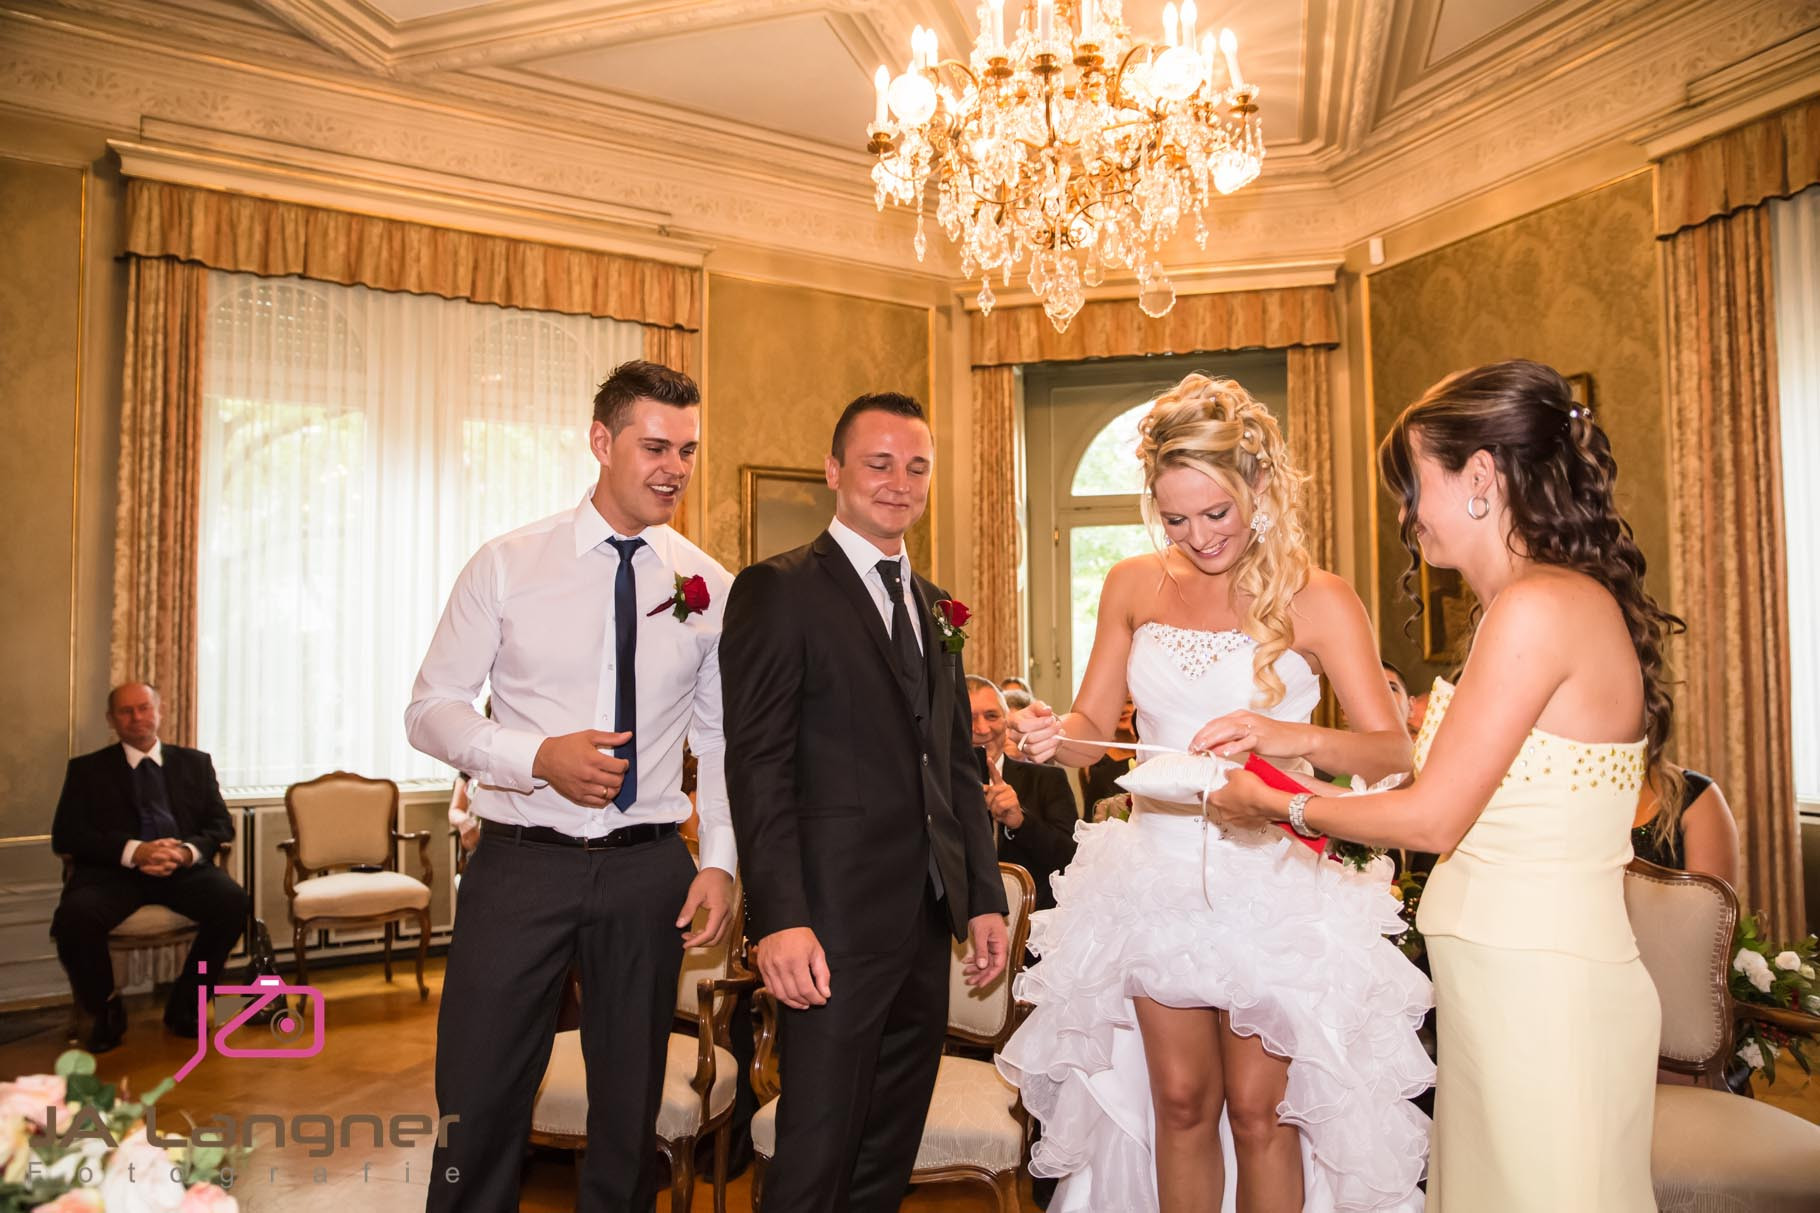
(99, 898)
(528, 911)
(857, 1075)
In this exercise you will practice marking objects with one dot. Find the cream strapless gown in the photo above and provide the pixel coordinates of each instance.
(1547, 1022)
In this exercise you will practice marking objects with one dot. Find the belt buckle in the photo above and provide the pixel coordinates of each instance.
(599, 843)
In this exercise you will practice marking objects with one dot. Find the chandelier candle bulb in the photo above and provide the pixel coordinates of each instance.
(881, 80)
(1229, 46)
(1090, 20)
(998, 24)
(1188, 15)
(1045, 21)
(1169, 23)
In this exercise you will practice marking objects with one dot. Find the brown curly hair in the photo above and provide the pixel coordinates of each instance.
(1558, 474)
(1217, 428)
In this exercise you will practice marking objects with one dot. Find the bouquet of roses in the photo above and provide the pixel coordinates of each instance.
(70, 1143)
(1781, 977)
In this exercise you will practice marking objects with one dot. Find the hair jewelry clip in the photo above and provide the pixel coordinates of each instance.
(1581, 410)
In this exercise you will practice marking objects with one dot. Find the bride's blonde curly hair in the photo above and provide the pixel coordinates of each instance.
(1215, 427)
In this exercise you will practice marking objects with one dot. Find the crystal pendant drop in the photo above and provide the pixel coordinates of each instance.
(921, 243)
(986, 297)
(1158, 293)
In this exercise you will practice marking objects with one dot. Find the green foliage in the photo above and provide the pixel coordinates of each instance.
(1766, 973)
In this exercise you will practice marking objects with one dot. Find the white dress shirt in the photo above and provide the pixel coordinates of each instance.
(133, 759)
(864, 555)
(532, 614)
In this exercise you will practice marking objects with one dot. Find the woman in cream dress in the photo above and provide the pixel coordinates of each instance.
(1527, 777)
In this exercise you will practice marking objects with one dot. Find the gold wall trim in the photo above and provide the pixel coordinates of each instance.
(82, 309)
(24, 840)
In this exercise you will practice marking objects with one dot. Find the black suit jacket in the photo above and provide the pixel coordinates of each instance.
(838, 795)
(1044, 844)
(97, 815)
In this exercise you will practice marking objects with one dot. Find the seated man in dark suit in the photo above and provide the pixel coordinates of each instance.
(1032, 806)
(142, 820)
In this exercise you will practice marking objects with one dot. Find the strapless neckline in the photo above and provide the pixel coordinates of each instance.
(1641, 743)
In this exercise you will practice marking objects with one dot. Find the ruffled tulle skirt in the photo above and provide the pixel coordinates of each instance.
(1292, 946)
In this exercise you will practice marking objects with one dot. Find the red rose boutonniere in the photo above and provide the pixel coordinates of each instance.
(951, 615)
(690, 598)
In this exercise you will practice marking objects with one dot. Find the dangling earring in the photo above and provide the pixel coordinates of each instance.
(1261, 522)
(1483, 507)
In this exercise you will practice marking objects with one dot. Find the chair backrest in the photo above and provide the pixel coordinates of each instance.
(713, 963)
(342, 818)
(987, 1015)
(1684, 923)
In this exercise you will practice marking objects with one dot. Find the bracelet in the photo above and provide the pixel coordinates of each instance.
(1298, 806)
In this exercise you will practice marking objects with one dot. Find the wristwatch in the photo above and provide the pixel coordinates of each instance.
(1298, 805)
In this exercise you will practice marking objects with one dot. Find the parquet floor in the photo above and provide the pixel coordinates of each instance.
(378, 1059)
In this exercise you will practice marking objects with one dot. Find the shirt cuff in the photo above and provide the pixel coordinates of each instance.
(126, 856)
(195, 854)
(511, 757)
(719, 849)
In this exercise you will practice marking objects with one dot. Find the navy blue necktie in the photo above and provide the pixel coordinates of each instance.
(154, 804)
(625, 640)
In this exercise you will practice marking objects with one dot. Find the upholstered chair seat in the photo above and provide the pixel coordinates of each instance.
(562, 1101)
(1715, 1152)
(973, 1121)
(151, 920)
(360, 895)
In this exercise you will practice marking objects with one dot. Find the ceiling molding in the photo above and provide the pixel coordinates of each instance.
(185, 155)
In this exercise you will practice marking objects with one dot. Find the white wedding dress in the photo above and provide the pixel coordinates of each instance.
(1293, 946)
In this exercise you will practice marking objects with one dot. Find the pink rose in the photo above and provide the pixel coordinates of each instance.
(76, 1200)
(30, 1095)
(207, 1198)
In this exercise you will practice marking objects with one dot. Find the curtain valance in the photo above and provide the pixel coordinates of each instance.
(244, 233)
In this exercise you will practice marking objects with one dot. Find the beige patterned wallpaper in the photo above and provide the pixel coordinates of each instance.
(1575, 285)
(782, 362)
(41, 218)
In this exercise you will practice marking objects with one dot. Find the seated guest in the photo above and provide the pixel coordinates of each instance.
(1699, 835)
(1399, 690)
(1101, 780)
(1030, 804)
(142, 820)
(1015, 701)
(1013, 683)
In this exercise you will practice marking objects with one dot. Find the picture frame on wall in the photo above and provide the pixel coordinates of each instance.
(780, 509)
(1446, 615)
(1579, 387)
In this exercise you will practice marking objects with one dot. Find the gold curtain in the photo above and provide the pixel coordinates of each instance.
(1729, 557)
(1116, 328)
(994, 649)
(156, 518)
(1311, 443)
(1774, 157)
(678, 349)
(260, 236)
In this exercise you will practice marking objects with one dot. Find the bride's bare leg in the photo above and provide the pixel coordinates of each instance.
(1182, 1053)
(1269, 1153)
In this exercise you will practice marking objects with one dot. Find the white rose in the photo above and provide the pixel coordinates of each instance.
(1788, 962)
(1754, 967)
(1752, 1055)
(139, 1179)
(1807, 971)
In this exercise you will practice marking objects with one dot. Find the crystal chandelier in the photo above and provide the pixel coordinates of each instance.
(1072, 143)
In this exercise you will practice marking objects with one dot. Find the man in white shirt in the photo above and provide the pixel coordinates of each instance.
(598, 632)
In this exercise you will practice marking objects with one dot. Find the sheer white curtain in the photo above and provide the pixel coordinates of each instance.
(357, 447)
(1795, 235)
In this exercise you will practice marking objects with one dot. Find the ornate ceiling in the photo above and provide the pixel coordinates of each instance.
(702, 121)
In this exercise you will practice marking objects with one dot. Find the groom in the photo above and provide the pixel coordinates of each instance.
(862, 828)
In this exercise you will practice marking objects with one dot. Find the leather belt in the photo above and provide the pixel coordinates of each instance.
(625, 836)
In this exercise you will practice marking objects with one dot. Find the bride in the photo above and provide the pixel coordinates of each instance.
(1219, 1020)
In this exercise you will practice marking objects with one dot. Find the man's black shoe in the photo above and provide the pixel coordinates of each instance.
(108, 1028)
